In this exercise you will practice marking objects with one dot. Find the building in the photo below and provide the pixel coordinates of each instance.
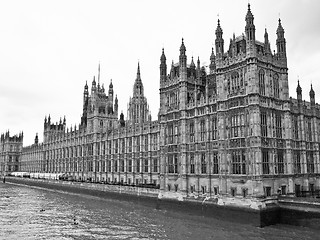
(232, 130)
(10, 152)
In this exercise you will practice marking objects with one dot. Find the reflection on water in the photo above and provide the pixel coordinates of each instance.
(29, 213)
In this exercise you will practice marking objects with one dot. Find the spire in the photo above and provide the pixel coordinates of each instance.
(250, 28)
(281, 41)
(192, 65)
(266, 42)
(198, 63)
(299, 92)
(219, 40)
(99, 75)
(183, 57)
(182, 48)
(311, 94)
(163, 66)
(163, 57)
(138, 73)
(212, 62)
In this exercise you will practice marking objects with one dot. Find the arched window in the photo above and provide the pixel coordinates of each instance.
(261, 83)
(276, 86)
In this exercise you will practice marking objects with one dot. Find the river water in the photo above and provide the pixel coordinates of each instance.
(34, 213)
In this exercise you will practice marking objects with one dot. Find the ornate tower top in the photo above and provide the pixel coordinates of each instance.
(182, 48)
(299, 91)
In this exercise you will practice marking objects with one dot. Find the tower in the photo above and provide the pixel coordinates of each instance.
(250, 30)
(219, 41)
(281, 41)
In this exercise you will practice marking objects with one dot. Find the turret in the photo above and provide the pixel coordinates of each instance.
(36, 139)
(281, 41)
(85, 105)
(116, 105)
(212, 65)
(122, 122)
(299, 92)
(266, 42)
(163, 66)
(219, 41)
(93, 88)
(311, 94)
(250, 29)
(182, 57)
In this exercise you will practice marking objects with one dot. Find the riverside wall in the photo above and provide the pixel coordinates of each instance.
(257, 212)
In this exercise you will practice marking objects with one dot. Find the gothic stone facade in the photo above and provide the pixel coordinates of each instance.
(230, 130)
(10, 152)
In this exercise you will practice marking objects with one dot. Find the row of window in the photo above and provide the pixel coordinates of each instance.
(274, 84)
(279, 166)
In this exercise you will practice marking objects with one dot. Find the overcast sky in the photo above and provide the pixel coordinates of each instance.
(48, 49)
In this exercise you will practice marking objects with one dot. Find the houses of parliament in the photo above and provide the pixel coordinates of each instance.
(228, 130)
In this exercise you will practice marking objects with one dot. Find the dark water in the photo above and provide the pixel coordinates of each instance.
(30, 213)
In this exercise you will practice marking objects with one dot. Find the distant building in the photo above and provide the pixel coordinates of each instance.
(10, 152)
(230, 130)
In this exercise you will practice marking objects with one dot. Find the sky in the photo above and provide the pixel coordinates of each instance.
(49, 49)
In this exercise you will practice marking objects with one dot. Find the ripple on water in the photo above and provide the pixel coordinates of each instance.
(28, 213)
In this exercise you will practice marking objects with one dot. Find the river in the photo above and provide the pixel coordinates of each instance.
(34, 213)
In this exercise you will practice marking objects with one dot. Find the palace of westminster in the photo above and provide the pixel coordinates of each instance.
(231, 130)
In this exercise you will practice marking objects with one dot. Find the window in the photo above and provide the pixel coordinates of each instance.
(155, 165)
(238, 162)
(297, 162)
(261, 83)
(215, 163)
(265, 162)
(191, 129)
(173, 163)
(237, 122)
(214, 128)
(267, 191)
(310, 162)
(138, 165)
(202, 130)
(123, 146)
(170, 134)
(130, 165)
(278, 126)
(116, 146)
(191, 163)
(146, 166)
(203, 164)
(138, 144)
(115, 166)
(121, 165)
(146, 143)
(264, 129)
(276, 90)
(308, 130)
(130, 144)
(279, 163)
(295, 128)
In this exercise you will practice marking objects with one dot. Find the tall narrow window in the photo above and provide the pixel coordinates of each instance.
(278, 126)
(155, 165)
(138, 165)
(192, 163)
(280, 164)
(310, 162)
(265, 162)
(261, 83)
(264, 132)
(215, 163)
(202, 130)
(297, 162)
(214, 127)
(203, 164)
(191, 129)
(276, 90)
(295, 128)
(146, 165)
(129, 165)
